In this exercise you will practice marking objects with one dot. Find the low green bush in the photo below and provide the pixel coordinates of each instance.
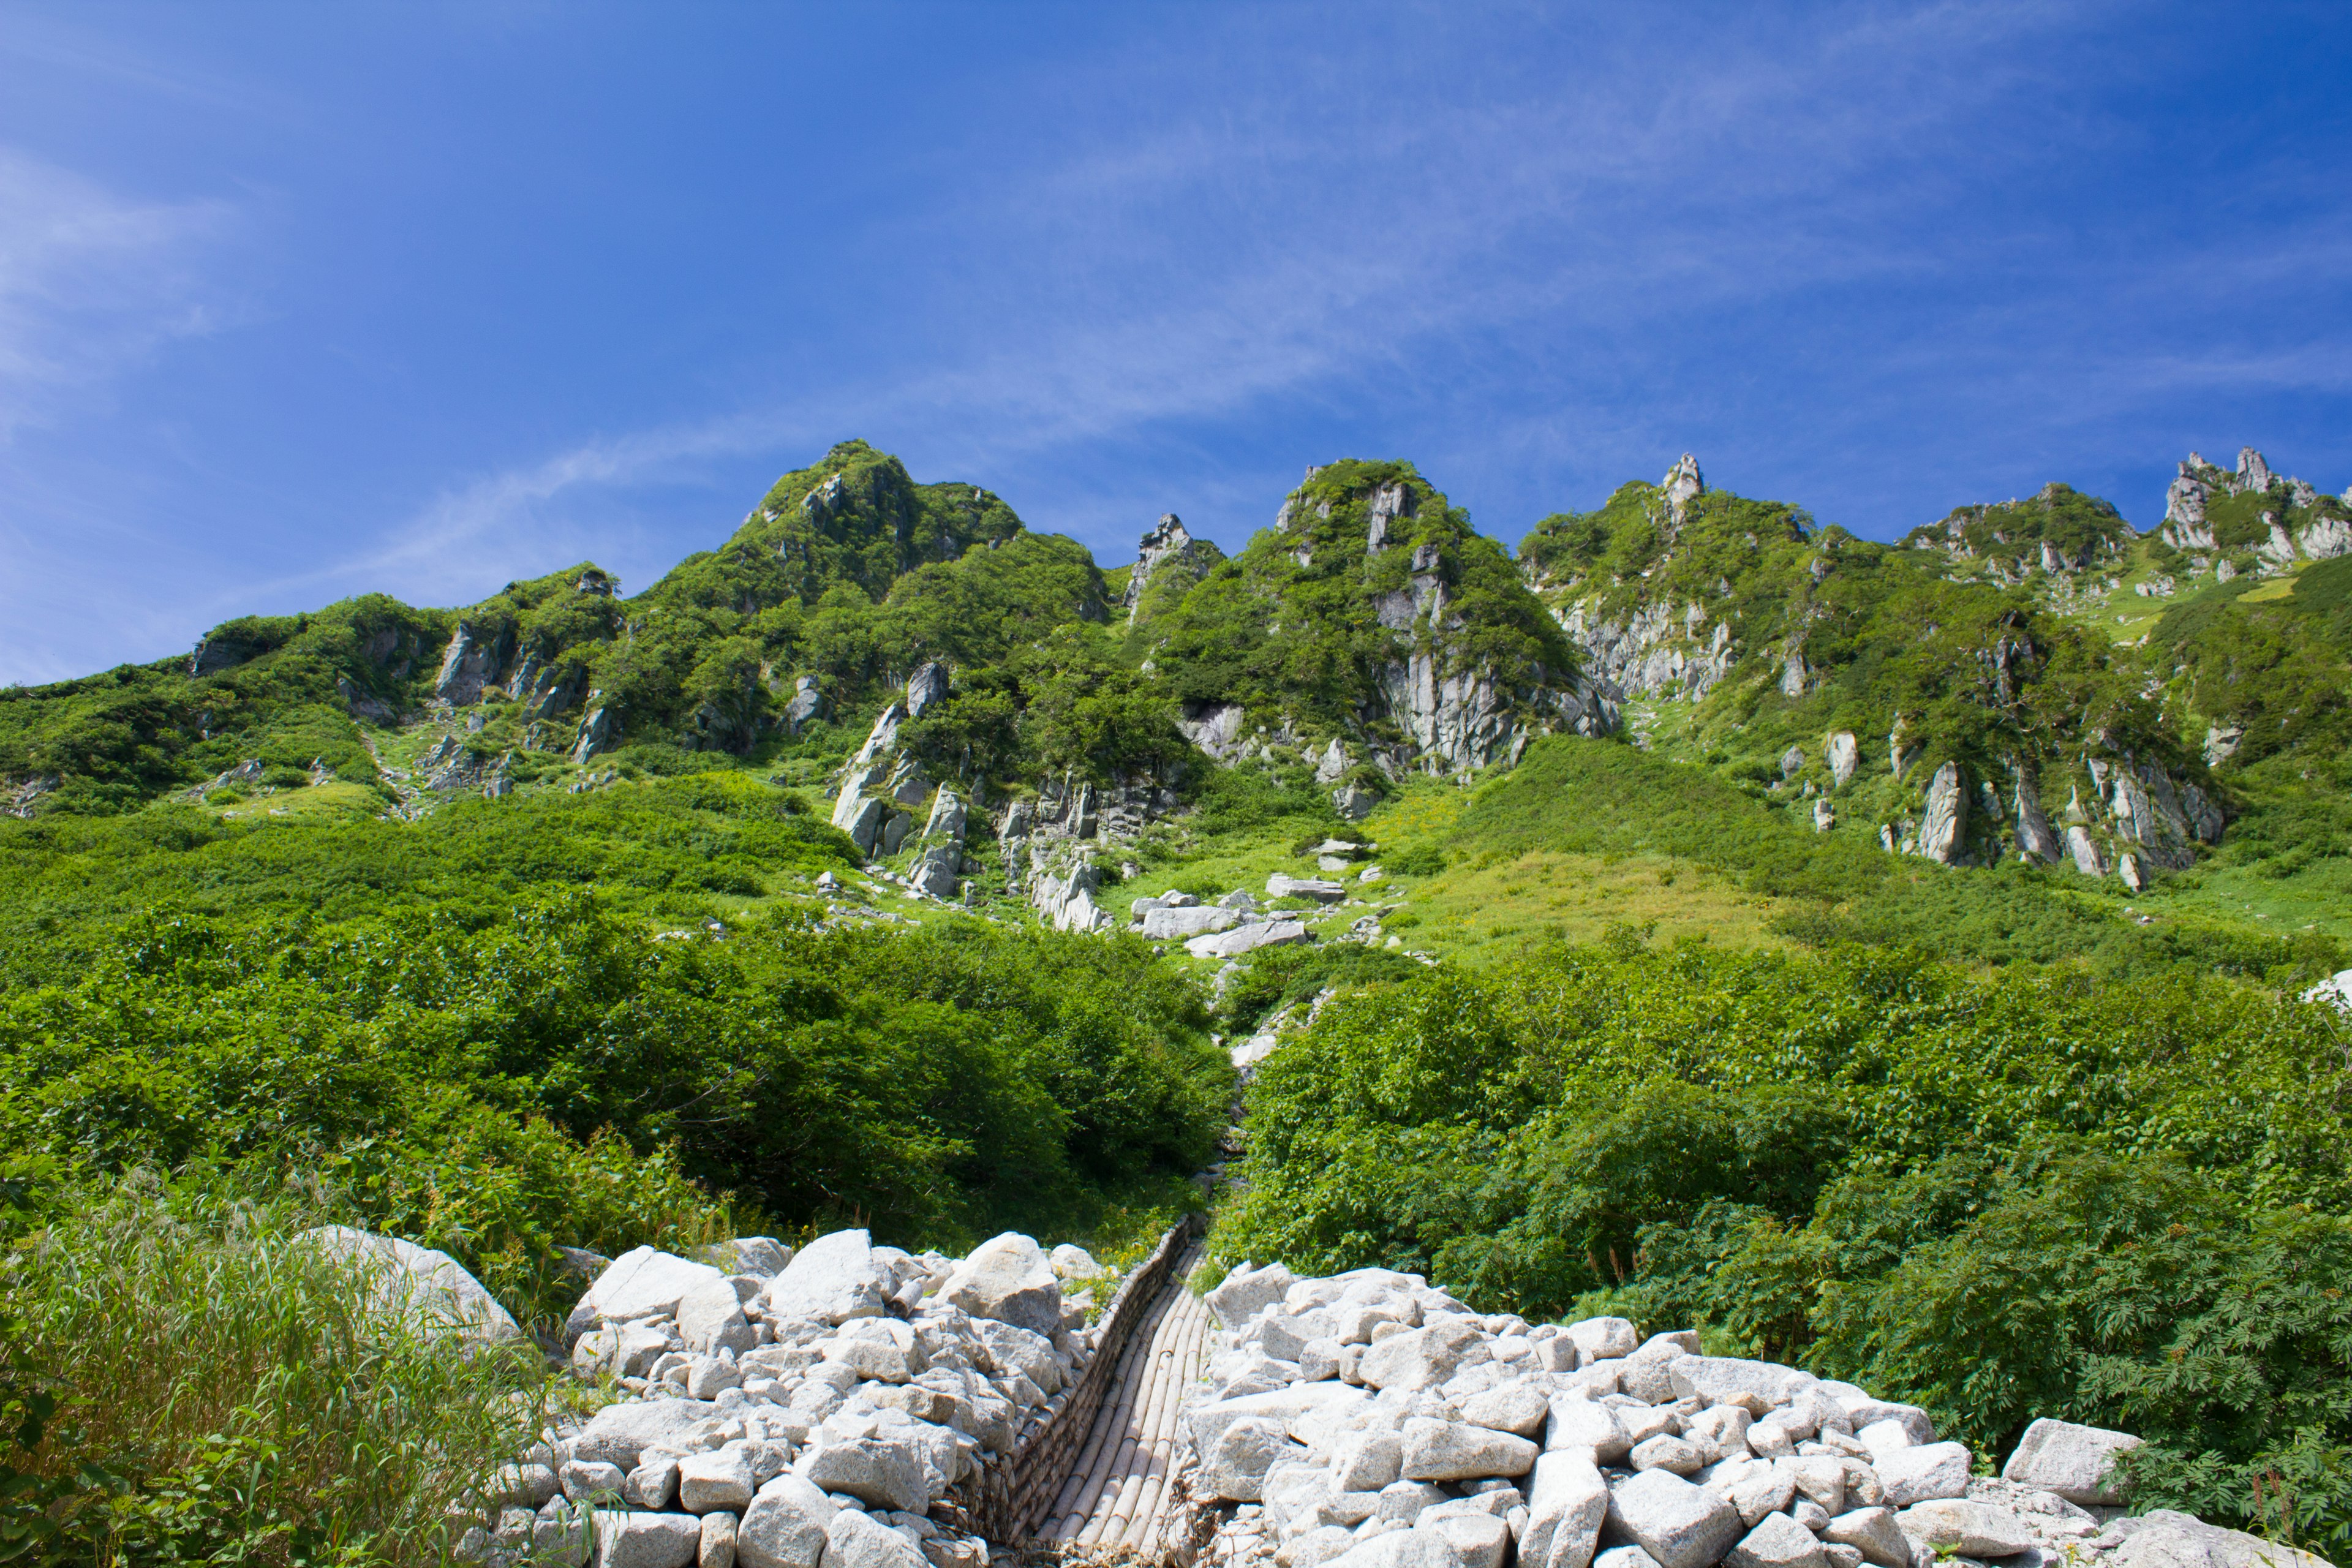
(2123, 1201)
(187, 1382)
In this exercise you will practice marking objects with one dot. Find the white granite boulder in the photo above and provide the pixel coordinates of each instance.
(2075, 1462)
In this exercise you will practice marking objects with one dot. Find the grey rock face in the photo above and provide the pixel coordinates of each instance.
(1843, 754)
(1682, 485)
(1943, 833)
(1167, 551)
(2034, 837)
(1279, 886)
(600, 729)
(1214, 727)
(925, 689)
(807, 707)
(1678, 1524)
(1353, 801)
(2075, 1462)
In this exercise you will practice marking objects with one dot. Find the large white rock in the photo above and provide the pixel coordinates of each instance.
(886, 1472)
(1777, 1542)
(717, 1548)
(1568, 1501)
(1715, 1378)
(619, 1434)
(1477, 1540)
(1604, 1338)
(1418, 1358)
(1516, 1407)
(643, 1283)
(1367, 1461)
(630, 1539)
(1177, 925)
(1580, 1424)
(710, 1319)
(1456, 1451)
(2164, 1539)
(1235, 1465)
(1864, 1411)
(834, 1278)
(1929, 1470)
(858, 1540)
(1206, 1423)
(1402, 1549)
(1247, 1292)
(1873, 1533)
(722, 1480)
(2075, 1462)
(1971, 1529)
(1016, 1349)
(878, 1349)
(1680, 1525)
(431, 1287)
(1007, 1278)
(786, 1525)
(1247, 939)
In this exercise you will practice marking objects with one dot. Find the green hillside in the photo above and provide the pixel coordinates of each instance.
(1706, 915)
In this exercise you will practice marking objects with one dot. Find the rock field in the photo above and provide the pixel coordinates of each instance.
(1371, 1421)
(824, 1409)
(791, 1407)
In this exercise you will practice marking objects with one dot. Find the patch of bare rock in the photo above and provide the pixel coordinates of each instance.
(1368, 1420)
(794, 1410)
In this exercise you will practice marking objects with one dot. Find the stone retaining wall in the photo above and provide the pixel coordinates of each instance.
(1004, 1504)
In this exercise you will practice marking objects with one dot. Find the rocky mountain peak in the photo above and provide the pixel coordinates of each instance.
(1169, 557)
(1681, 485)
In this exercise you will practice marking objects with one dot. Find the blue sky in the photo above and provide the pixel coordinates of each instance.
(298, 301)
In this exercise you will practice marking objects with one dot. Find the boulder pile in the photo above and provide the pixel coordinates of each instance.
(792, 1410)
(1368, 1420)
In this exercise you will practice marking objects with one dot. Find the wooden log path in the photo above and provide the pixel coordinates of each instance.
(1121, 1497)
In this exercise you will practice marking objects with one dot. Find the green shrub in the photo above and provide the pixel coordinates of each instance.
(217, 1391)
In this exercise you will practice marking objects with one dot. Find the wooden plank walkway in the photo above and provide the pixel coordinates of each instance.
(1121, 1495)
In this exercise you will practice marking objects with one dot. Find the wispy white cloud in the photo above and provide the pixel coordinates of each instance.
(92, 280)
(1361, 233)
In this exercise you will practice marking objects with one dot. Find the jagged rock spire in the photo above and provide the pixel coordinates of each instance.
(1681, 483)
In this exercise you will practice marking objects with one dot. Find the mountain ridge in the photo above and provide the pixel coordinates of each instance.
(1370, 633)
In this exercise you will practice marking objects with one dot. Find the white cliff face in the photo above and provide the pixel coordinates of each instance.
(1656, 654)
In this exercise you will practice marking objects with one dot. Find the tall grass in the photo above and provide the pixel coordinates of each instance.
(223, 1392)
